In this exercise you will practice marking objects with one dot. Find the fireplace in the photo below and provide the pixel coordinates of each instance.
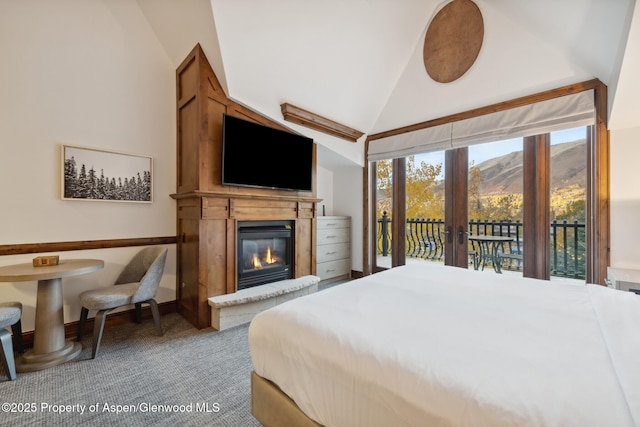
(264, 252)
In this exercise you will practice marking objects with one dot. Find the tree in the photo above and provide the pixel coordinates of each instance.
(575, 210)
(503, 206)
(120, 189)
(82, 186)
(92, 184)
(147, 185)
(70, 177)
(424, 191)
(384, 186)
(102, 186)
(476, 207)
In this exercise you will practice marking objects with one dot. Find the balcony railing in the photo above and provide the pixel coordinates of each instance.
(425, 240)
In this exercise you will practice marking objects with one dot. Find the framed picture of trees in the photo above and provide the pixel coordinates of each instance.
(95, 174)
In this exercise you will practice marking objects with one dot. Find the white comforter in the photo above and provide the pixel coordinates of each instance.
(428, 345)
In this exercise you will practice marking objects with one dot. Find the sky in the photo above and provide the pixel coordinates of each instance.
(115, 165)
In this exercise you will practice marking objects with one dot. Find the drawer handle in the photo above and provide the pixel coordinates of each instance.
(331, 237)
(331, 223)
(331, 253)
(330, 270)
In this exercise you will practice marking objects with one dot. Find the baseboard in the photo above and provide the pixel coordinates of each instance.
(356, 274)
(113, 319)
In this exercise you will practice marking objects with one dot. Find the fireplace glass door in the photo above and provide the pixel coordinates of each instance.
(264, 252)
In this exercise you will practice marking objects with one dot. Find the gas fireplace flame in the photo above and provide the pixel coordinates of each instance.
(268, 259)
(258, 263)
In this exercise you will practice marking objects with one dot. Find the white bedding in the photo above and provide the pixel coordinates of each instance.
(429, 345)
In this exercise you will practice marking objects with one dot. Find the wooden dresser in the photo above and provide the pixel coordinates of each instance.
(333, 251)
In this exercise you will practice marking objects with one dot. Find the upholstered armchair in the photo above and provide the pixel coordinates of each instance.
(137, 284)
(10, 315)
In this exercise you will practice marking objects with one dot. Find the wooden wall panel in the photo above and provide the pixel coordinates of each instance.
(304, 263)
(215, 208)
(187, 146)
(187, 84)
(306, 210)
(187, 122)
(187, 287)
(213, 178)
(247, 209)
(232, 256)
(216, 256)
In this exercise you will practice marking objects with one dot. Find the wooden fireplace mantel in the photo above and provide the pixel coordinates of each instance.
(207, 210)
(215, 205)
(232, 195)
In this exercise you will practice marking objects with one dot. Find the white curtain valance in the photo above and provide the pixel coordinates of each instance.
(555, 114)
(433, 138)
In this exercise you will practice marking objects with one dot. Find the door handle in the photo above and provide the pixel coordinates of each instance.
(449, 234)
(461, 235)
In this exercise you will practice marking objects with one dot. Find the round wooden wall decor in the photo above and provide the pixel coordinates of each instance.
(453, 41)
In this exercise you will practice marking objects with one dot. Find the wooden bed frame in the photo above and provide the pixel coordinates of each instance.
(274, 408)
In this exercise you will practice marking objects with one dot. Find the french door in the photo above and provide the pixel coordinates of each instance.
(390, 215)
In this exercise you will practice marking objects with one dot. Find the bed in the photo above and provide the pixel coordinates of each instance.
(430, 345)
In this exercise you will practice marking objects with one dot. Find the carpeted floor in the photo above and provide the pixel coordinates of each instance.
(187, 377)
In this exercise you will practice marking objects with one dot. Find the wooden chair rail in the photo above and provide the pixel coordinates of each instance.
(33, 248)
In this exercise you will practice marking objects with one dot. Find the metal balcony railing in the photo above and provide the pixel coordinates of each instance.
(425, 240)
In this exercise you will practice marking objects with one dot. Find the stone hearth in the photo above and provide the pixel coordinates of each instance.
(240, 307)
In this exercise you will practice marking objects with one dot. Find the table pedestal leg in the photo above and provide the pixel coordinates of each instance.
(484, 253)
(494, 258)
(49, 345)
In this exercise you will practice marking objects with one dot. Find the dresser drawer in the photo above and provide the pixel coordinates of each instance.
(329, 236)
(333, 222)
(327, 270)
(332, 252)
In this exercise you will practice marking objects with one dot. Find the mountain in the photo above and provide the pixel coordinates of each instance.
(503, 175)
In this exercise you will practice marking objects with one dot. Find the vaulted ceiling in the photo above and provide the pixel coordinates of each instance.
(360, 63)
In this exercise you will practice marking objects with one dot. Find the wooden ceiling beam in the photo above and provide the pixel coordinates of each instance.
(294, 114)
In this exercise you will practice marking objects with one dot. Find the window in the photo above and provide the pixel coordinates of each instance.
(576, 106)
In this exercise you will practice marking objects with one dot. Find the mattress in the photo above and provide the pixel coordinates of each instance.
(426, 344)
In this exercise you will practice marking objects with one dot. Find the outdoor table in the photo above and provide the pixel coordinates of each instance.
(488, 247)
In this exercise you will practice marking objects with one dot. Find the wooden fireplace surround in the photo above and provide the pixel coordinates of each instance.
(207, 211)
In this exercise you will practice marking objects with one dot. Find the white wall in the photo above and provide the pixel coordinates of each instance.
(340, 188)
(88, 73)
(324, 190)
(625, 199)
(348, 201)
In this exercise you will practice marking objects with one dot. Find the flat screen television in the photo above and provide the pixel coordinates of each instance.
(256, 155)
